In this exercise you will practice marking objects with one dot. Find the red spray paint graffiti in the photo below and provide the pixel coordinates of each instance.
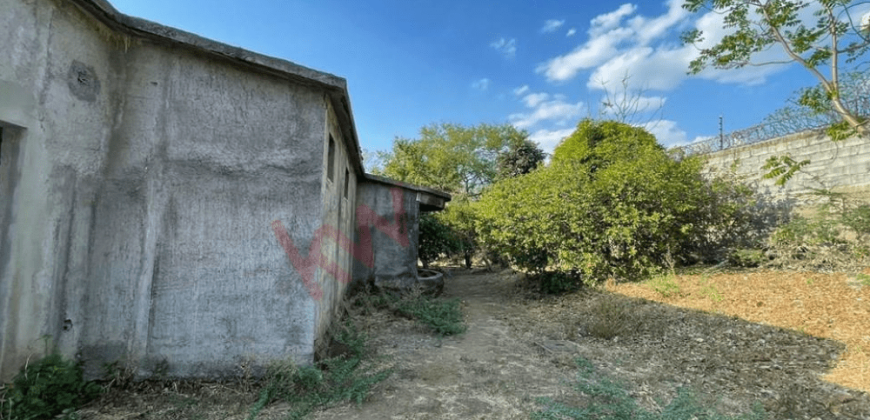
(362, 251)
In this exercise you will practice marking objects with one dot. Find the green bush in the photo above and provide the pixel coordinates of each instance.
(437, 239)
(46, 388)
(611, 204)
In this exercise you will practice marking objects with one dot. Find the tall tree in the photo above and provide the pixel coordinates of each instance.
(455, 158)
(828, 45)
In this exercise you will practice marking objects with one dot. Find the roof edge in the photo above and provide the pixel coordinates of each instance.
(384, 180)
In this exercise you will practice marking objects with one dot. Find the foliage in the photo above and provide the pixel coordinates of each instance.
(451, 157)
(459, 217)
(437, 239)
(743, 257)
(608, 399)
(519, 159)
(304, 388)
(611, 204)
(46, 388)
(831, 39)
(834, 237)
(442, 316)
(665, 285)
(783, 168)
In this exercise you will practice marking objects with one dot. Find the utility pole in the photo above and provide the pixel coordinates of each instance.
(721, 134)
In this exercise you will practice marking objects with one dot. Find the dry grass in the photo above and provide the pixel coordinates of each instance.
(833, 306)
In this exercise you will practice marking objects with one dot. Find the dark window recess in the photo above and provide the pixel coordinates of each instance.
(346, 181)
(330, 164)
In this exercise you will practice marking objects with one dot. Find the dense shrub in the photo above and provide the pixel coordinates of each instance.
(612, 203)
(436, 239)
(45, 388)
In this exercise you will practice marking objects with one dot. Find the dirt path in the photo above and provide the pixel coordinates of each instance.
(520, 346)
(485, 373)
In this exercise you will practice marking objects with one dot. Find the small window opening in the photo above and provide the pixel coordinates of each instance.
(346, 181)
(330, 164)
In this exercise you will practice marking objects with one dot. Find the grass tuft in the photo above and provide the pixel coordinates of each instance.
(608, 399)
(305, 388)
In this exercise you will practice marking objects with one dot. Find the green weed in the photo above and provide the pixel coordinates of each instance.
(864, 279)
(442, 316)
(49, 387)
(665, 285)
(608, 399)
(339, 379)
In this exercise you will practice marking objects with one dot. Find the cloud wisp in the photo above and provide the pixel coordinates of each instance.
(506, 47)
(551, 25)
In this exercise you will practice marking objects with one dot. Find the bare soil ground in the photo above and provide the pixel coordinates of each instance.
(795, 343)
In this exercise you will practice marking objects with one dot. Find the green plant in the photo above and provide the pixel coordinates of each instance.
(443, 316)
(345, 378)
(608, 399)
(665, 285)
(45, 388)
(612, 204)
(710, 290)
(864, 279)
(742, 257)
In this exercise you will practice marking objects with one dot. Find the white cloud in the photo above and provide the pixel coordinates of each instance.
(551, 25)
(507, 47)
(571, 32)
(521, 90)
(534, 99)
(591, 54)
(555, 110)
(482, 84)
(549, 139)
(604, 23)
(666, 132)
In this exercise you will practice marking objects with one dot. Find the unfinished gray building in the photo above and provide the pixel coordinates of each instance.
(167, 200)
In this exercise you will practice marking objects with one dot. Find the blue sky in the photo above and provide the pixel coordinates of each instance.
(538, 65)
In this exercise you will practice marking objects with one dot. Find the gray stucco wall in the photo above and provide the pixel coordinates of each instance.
(394, 241)
(137, 216)
(842, 166)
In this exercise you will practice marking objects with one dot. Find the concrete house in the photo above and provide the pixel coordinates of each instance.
(171, 202)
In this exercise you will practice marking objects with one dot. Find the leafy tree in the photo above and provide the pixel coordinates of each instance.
(834, 39)
(451, 157)
(611, 204)
(462, 160)
(437, 239)
(520, 158)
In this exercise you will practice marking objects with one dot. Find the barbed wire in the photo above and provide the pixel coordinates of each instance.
(784, 122)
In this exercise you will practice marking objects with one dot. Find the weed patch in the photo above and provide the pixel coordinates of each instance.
(665, 285)
(346, 378)
(442, 316)
(608, 399)
(46, 388)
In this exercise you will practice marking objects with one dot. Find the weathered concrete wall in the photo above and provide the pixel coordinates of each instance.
(842, 166)
(393, 241)
(138, 199)
(339, 188)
